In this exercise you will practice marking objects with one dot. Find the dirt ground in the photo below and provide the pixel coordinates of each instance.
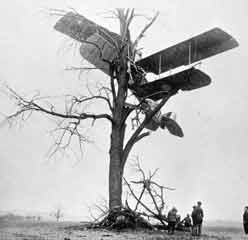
(57, 231)
(106, 235)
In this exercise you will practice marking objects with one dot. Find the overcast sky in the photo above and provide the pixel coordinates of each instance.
(208, 164)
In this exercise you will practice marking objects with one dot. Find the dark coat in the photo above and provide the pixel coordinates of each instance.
(193, 216)
(199, 215)
(172, 216)
(245, 217)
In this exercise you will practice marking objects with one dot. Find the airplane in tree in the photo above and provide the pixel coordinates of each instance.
(99, 47)
(116, 55)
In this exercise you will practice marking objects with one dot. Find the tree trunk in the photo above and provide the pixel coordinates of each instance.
(117, 138)
(115, 168)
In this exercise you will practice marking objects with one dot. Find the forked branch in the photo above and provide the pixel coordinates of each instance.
(136, 135)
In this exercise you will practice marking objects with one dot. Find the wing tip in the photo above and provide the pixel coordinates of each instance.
(232, 40)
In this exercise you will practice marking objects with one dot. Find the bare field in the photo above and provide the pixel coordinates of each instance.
(57, 231)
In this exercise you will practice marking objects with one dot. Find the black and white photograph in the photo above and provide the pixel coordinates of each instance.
(123, 120)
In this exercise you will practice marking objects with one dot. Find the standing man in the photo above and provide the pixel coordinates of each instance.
(199, 218)
(193, 216)
(172, 219)
(245, 220)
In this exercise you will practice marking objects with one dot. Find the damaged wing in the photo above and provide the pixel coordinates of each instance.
(98, 43)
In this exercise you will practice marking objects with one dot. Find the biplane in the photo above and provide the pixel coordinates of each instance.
(99, 44)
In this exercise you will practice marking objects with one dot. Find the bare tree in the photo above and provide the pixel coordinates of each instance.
(114, 94)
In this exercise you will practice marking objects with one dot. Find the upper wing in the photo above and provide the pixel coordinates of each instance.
(98, 43)
(192, 50)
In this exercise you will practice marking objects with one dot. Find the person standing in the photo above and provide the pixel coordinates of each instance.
(172, 219)
(193, 216)
(245, 220)
(199, 218)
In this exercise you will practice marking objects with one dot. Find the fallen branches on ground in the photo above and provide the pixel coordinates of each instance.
(141, 215)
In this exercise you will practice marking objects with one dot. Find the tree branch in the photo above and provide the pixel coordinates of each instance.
(68, 122)
(31, 105)
(144, 30)
(137, 199)
(141, 136)
(133, 139)
(81, 116)
(86, 99)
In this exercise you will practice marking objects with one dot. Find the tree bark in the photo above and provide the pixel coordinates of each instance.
(115, 170)
(117, 136)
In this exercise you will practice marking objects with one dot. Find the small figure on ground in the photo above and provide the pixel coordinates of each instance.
(199, 218)
(245, 220)
(172, 219)
(187, 223)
